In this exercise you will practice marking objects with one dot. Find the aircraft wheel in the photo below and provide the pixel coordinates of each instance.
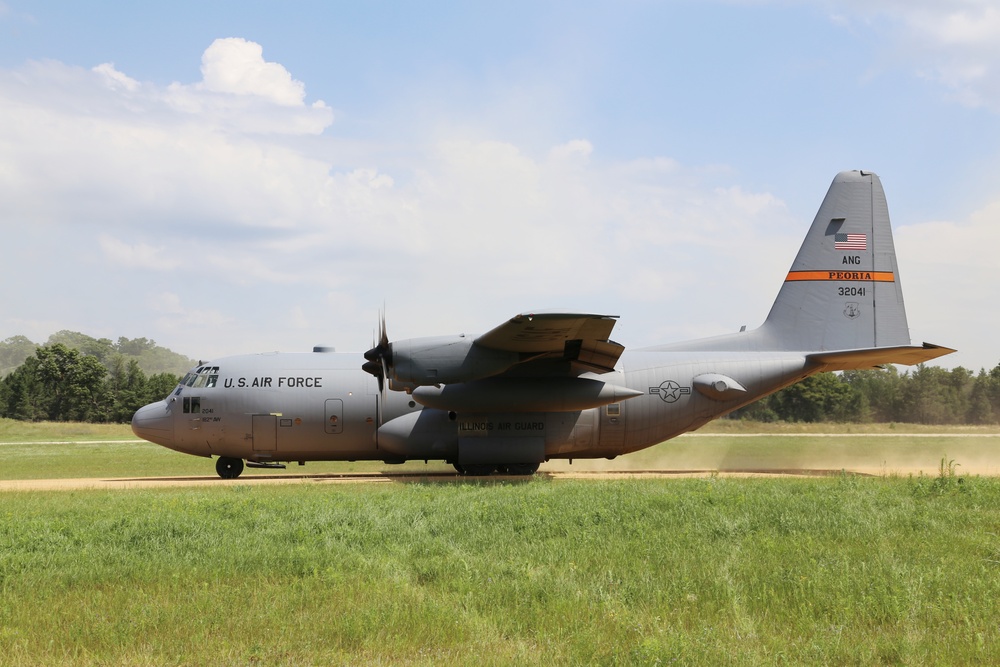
(522, 468)
(228, 467)
(477, 470)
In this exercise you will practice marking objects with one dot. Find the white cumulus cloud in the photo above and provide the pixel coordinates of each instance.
(235, 65)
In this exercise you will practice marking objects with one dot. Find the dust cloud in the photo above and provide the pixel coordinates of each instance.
(873, 454)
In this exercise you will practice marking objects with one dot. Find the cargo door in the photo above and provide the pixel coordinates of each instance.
(265, 433)
(612, 430)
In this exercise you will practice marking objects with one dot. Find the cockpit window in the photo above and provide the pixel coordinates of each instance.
(202, 377)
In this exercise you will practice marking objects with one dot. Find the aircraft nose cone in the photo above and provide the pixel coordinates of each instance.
(154, 422)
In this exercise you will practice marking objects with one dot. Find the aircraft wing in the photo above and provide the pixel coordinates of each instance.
(575, 337)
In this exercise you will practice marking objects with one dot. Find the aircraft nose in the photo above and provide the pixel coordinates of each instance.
(154, 422)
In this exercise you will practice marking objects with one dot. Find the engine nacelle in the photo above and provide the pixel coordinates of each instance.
(425, 434)
(444, 359)
(517, 394)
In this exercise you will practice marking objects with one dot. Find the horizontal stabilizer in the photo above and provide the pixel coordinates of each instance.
(850, 360)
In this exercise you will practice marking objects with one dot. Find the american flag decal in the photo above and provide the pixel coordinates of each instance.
(850, 242)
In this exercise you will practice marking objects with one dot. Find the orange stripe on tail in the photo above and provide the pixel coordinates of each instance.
(843, 276)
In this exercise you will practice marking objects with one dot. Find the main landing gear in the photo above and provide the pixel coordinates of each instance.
(229, 467)
(484, 469)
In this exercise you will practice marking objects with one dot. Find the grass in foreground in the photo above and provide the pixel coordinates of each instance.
(709, 571)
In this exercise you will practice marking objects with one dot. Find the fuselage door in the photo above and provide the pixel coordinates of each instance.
(613, 426)
(265, 433)
(334, 415)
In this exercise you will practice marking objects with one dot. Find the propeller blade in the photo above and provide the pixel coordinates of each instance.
(379, 358)
(385, 372)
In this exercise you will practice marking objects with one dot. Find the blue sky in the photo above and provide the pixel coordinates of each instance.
(247, 177)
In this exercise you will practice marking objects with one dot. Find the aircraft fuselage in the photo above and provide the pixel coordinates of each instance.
(323, 407)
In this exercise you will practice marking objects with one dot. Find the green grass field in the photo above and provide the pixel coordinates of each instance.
(696, 571)
(897, 569)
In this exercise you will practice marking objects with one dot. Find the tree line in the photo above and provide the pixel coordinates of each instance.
(152, 358)
(61, 383)
(925, 395)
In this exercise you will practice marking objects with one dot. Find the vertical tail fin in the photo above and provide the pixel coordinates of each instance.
(841, 304)
(843, 290)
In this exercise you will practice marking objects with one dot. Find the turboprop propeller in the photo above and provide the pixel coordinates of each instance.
(379, 358)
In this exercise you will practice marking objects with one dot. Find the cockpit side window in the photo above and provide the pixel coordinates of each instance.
(201, 377)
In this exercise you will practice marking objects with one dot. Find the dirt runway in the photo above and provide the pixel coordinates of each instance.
(382, 478)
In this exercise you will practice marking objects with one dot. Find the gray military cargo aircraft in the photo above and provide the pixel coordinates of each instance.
(551, 385)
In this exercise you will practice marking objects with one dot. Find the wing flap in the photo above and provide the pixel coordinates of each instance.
(539, 333)
(583, 338)
(601, 355)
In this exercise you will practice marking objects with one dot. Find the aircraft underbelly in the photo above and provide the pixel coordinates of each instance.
(511, 449)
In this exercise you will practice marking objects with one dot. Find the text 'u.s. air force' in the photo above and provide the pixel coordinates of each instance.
(274, 383)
